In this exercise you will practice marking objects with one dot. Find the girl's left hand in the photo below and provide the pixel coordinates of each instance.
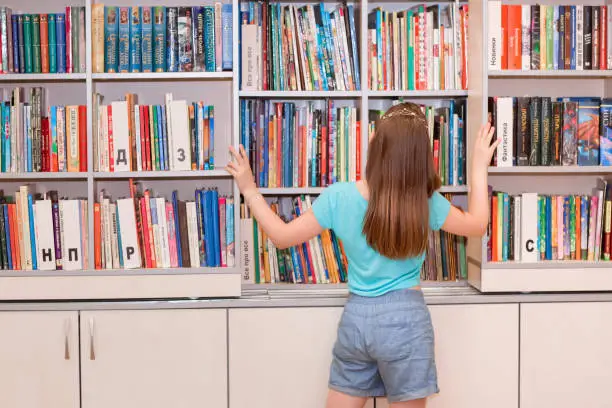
(240, 169)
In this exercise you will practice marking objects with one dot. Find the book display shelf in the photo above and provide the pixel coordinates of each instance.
(541, 275)
(221, 89)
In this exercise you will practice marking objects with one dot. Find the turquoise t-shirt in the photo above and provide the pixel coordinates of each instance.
(342, 208)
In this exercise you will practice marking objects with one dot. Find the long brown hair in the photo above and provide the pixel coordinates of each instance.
(401, 177)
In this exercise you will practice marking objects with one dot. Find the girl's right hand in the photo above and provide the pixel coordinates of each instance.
(483, 150)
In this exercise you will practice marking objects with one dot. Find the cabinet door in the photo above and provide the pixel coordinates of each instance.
(39, 359)
(476, 356)
(566, 355)
(154, 359)
(280, 357)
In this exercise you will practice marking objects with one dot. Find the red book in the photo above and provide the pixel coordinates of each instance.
(82, 138)
(97, 236)
(603, 39)
(44, 145)
(514, 32)
(111, 146)
(504, 34)
(147, 139)
(15, 254)
(145, 232)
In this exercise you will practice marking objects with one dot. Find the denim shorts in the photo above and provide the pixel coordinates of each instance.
(385, 347)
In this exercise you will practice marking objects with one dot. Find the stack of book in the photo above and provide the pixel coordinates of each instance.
(38, 139)
(42, 43)
(289, 48)
(319, 260)
(446, 126)
(173, 136)
(423, 48)
(532, 227)
(162, 39)
(44, 234)
(145, 231)
(292, 145)
(445, 259)
(549, 37)
(543, 131)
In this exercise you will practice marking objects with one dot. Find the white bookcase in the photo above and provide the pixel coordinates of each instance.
(545, 276)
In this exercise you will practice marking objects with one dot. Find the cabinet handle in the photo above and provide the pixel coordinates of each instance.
(66, 339)
(92, 351)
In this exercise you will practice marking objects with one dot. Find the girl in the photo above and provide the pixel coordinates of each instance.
(385, 341)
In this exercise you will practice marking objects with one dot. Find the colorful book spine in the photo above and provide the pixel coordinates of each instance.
(124, 39)
(111, 39)
(147, 39)
(60, 34)
(159, 39)
(136, 39)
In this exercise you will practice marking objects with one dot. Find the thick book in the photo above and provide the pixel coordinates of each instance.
(159, 39)
(27, 43)
(172, 48)
(588, 132)
(557, 133)
(523, 131)
(529, 227)
(605, 143)
(135, 39)
(185, 39)
(124, 39)
(70, 226)
(536, 130)
(494, 41)
(535, 37)
(147, 39)
(97, 37)
(129, 235)
(587, 37)
(36, 60)
(60, 34)
(546, 132)
(505, 123)
(570, 128)
(111, 39)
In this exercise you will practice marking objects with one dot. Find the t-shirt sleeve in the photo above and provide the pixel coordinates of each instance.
(324, 207)
(438, 211)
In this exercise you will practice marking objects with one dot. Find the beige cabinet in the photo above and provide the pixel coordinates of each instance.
(280, 357)
(154, 359)
(39, 359)
(566, 355)
(476, 356)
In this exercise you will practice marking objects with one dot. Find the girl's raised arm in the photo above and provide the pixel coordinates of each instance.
(282, 234)
(474, 221)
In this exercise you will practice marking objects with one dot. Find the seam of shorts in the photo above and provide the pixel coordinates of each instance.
(356, 393)
(414, 395)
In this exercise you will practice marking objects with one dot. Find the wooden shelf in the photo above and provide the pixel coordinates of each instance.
(161, 174)
(41, 77)
(564, 170)
(161, 76)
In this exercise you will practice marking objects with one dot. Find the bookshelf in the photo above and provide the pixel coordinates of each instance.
(542, 276)
(221, 89)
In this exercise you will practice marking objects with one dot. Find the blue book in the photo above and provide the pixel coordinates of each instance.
(159, 147)
(309, 267)
(146, 46)
(60, 37)
(164, 150)
(227, 41)
(15, 38)
(175, 206)
(209, 39)
(460, 167)
(136, 39)
(355, 59)
(119, 238)
(111, 39)
(159, 39)
(32, 233)
(206, 221)
(124, 39)
(172, 44)
(211, 137)
(573, 37)
(8, 236)
(216, 230)
(450, 145)
(548, 212)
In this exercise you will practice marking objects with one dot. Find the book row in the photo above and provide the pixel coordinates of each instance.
(445, 259)
(543, 131)
(423, 48)
(320, 260)
(42, 233)
(35, 138)
(549, 37)
(162, 39)
(175, 136)
(532, 227)
(289, 48)
(446, 127)
(144, 231)
(309, 145)
(42, 43)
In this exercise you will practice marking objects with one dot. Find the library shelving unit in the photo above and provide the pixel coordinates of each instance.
(214, 88)
(545, 276)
